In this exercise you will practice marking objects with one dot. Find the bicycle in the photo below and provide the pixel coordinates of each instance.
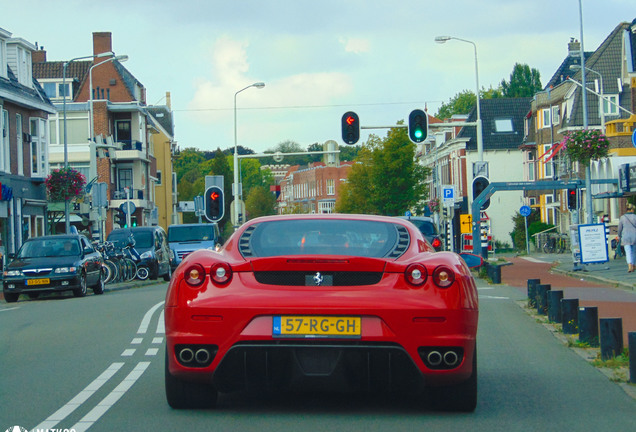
(555, 244)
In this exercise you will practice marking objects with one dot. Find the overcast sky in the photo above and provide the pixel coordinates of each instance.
(318, 59)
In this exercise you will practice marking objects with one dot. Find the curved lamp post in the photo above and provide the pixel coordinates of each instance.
(235, 186)
(67, 216)
(480, 142)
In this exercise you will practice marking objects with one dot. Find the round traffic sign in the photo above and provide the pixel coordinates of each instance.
(525, 211)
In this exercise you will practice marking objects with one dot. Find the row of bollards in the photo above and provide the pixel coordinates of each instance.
(584, 321)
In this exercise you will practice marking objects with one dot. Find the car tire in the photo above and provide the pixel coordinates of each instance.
(81, 291)
(460, 397)
(182, 394)
(11, 297)
(99, 287)
(168, 275)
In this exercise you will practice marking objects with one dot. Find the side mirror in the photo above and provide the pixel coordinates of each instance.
(472, 260)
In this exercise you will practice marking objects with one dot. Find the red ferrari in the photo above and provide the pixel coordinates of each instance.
(353, 302)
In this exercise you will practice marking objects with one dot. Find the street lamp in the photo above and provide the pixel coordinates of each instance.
(92, 144)
(480, 142)
(119, 58)
(67, 216)
(588, 171)
(235, 186)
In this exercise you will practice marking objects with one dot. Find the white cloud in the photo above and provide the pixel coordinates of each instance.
(355, 45)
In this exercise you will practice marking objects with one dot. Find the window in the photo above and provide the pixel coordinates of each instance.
(556, 117)
(122, 132)
(158, 183)
(545, 118)
(125, 179)
(530, 171)
(503, 125)
(610, 108)
(20, 153)
(331, 187)
(55, 89)
(5, 162)
(547, 167)
(326, 206)
(38, 146)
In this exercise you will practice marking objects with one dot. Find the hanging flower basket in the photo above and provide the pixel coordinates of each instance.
(586, 145)
(433, 205)
(65, 184)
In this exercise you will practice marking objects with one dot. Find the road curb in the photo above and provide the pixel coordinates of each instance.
(582, 274)
(120, 286)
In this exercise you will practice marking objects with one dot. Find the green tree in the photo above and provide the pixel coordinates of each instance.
(260, 202)
(387, 180)
(463, 102)
(524, 82)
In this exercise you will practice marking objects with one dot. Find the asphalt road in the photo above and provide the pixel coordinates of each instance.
(97, 363)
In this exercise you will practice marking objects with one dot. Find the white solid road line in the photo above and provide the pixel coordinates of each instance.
(145, 322)
(81, 397)
(112, 398)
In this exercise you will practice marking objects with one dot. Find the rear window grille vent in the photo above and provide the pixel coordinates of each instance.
(244, 242)
(402, 243)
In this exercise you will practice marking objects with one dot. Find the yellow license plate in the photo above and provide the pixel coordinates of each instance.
(317, 326)
(44, 281)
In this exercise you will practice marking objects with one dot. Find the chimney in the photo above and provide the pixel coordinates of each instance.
(574, 48)
(168, 101)
(38, 56)
(102, 42)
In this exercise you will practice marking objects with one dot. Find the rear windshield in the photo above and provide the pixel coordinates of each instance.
(190, 233)
(323, 237)
(143, 239)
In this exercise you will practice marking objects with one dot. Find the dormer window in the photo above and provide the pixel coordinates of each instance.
(504, 125)
(54, 89)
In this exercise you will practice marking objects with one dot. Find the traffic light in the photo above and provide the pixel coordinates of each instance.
(418, 126)
(120, 218)
(573, 199)
(479, 184)
(350, 127)
(214, 204)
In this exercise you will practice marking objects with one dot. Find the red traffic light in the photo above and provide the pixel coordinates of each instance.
(350, 127)
(214, 195)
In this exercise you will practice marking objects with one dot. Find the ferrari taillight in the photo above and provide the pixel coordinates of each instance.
(443, 276)
(194, 275)
(416, 274)
(221, 273)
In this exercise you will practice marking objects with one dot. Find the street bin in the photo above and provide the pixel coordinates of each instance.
(494, 272)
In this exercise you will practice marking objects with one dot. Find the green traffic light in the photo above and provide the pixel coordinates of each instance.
(418, 133)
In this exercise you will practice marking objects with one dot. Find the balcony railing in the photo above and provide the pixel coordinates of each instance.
(135, 194)
(130, 144)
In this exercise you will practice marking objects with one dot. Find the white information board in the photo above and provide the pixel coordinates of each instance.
(593, 243)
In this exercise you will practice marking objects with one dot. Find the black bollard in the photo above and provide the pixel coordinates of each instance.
(554, 306)
(611, 337)
(570, 316)
(631, 345)
(542, 298)
(532, 292)
(588, 325)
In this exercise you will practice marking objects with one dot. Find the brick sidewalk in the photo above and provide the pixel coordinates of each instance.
(612, 302)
